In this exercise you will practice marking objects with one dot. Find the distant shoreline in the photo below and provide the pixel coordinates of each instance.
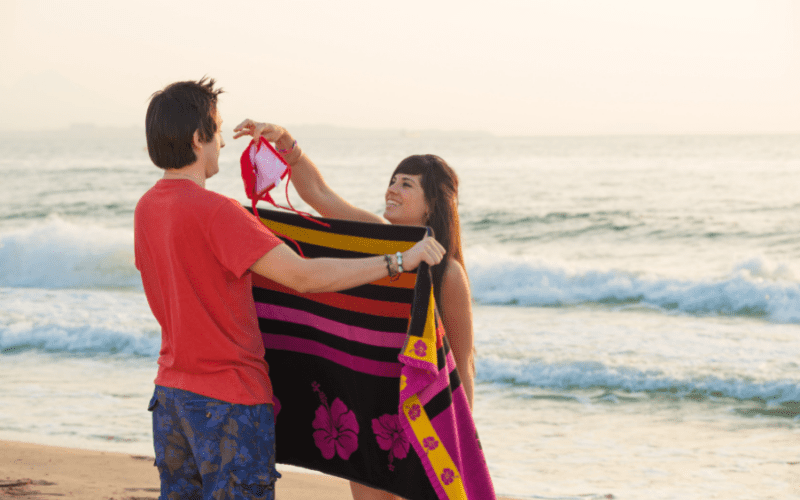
(336, 131)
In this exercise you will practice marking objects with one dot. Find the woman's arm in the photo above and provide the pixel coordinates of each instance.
(456, 310)
(306, 177)
(313, 189)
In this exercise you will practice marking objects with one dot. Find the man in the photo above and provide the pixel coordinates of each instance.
(213, 422)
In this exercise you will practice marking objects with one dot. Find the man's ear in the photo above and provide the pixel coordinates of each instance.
(196, 143)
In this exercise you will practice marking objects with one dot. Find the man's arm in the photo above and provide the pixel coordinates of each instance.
(285, 267)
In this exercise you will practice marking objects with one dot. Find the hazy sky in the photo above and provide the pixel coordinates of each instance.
(508, 67)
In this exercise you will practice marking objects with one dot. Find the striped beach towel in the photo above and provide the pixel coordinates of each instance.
(365, 382)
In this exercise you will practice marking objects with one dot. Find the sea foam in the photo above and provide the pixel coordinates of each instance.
(56, 253)
(754, 288)
(592, 375)
(77, 322)
(59, 254)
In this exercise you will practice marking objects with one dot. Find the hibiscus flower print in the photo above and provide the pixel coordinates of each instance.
(448, 476)
(430, 443)
(390, 436)
(415, 412)
(420, 348)
(336, 428)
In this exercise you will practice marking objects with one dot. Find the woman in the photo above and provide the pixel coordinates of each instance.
(423, 191)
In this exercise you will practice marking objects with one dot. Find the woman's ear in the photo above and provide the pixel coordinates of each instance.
(430, 205)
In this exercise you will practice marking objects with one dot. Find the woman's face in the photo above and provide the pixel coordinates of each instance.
(405, 201)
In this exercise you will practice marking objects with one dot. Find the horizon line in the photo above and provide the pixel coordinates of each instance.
(411, 132)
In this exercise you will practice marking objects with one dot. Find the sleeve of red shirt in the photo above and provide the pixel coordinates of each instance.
(238, 239)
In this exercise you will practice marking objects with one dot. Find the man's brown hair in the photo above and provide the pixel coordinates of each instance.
(173, 116)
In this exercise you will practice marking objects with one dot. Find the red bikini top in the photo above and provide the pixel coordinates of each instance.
(262, 170)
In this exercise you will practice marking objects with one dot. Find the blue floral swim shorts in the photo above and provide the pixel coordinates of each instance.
(210, 449)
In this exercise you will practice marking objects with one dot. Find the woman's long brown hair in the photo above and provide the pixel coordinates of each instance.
(440, 185)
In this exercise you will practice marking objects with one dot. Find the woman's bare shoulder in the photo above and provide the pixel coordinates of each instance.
(454, 268)
(454, 276)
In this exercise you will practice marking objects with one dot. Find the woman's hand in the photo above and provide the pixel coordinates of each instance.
(273, 133)
(268, 131)
(427, 250)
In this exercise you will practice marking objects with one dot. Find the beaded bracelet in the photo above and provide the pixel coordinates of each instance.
(389, 265)
(393, 276)
(399, 262)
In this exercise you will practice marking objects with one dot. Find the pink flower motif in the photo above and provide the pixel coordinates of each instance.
(448, 476)
(420, 348)
(337, 429)
(430, 443)
(414, 413)
(390, 436)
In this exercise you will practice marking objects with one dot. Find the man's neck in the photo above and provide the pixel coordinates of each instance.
(193, 172)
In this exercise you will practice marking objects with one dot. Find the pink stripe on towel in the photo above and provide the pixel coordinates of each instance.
(354, 333)
(288, 343)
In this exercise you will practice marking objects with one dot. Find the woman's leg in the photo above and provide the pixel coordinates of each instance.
(361, 492)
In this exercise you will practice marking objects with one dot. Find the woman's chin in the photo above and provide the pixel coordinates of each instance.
(394, 218)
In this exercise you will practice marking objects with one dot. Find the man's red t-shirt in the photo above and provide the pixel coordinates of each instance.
(194, 248)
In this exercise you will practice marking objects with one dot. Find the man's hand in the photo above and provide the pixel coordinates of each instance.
(428, 250)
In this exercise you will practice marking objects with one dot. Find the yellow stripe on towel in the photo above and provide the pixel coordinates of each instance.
(446, 470)
(338, 241)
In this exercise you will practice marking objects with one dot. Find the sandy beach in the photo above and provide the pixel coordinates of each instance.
(34, 472)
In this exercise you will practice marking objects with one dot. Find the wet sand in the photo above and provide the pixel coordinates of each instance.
(33, 471)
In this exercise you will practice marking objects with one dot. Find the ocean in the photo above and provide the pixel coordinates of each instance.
(637, 300)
